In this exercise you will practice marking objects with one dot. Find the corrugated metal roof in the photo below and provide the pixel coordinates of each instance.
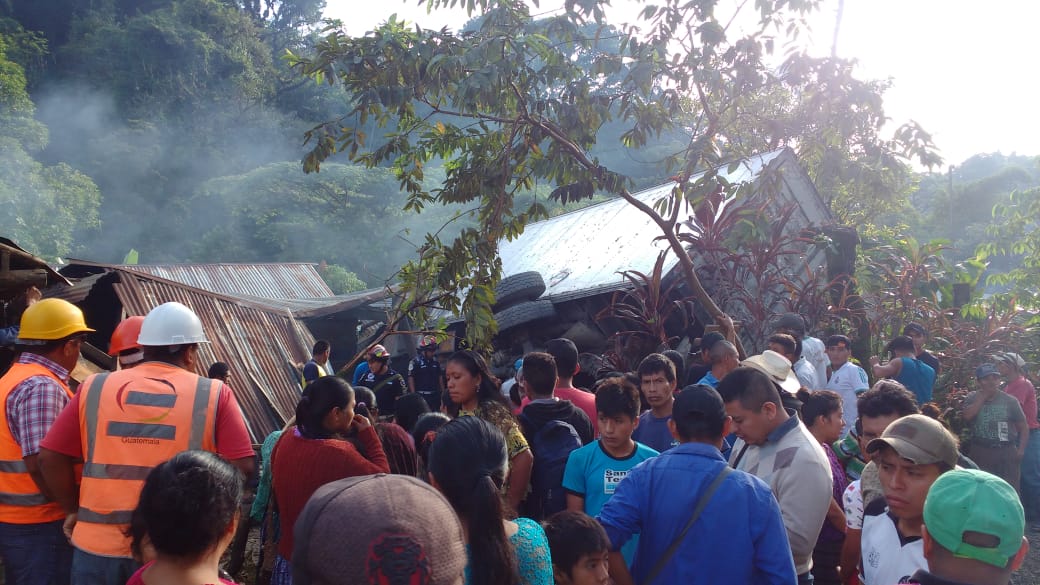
(281, 280)
(308, 308)
(76, 293)
(583, 252)
(261, 345)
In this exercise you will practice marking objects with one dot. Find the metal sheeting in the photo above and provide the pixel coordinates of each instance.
(583, 253)
(76, 293)
(284, 280)
(308, 308)
(261, 345)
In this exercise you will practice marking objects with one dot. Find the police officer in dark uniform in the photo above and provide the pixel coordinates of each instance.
(425, 374)
(384, 382)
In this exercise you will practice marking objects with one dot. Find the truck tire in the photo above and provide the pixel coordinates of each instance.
(524, 313)
(516, 288)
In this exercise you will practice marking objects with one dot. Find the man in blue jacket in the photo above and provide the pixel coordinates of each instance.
(739, 536)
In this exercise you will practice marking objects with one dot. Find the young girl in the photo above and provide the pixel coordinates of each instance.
(468, 465)
(822, 415)
(186, 517)
(475, 392)
(315, 452)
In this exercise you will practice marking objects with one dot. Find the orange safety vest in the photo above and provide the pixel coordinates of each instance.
(20, 499)
(130, 421)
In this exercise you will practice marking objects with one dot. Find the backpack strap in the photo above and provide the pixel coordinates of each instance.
(701, 504)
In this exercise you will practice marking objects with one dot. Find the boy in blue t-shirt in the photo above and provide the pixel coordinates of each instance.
(595, 470)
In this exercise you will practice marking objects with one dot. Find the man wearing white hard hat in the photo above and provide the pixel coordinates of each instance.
(124, 423)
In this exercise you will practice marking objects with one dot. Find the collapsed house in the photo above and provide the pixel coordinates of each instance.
(261, 319)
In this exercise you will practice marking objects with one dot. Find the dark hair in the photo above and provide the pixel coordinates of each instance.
(317, 400)
(186, 505)
(566, 355)
(788, 342)
(468, 459)
(320, 346)
(792, 322)
(169, 354)
(489, 389)
(617, 397)
(399, 449)
(656, 363)
(366, 395)
(818, 403)
(885, 398)
(932, 410)
(633, 378)
(915, 328)
(699, 426)
(51, 345)
(573, 535)
(677, 361)
(408, 408)
(219, 370)
(539, 373)
(423, 433)
(900, 343)
(708, 340)
(836, 339)
(751, 387)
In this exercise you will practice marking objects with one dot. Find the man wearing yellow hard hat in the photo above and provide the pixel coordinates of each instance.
(32, 394)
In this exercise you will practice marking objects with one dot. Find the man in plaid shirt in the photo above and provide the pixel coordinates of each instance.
(32, 394)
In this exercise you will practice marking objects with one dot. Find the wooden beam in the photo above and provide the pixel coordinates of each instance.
(13, 279)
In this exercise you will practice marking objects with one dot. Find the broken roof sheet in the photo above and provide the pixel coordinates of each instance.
(584, 252)
(272, 280)
(262, 345)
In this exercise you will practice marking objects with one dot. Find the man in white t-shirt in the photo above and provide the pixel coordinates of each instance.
(911, 454)
(846, 378)
(812, 348)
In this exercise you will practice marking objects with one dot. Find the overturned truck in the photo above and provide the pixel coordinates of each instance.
(603, 277)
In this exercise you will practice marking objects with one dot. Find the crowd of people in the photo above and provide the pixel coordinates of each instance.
(787, 467)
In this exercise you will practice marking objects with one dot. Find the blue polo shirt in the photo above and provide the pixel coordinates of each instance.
(739, 537)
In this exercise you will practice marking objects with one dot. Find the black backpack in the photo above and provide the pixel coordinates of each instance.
(551, 446)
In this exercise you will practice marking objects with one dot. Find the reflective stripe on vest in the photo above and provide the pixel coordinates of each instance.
(20, 499)
(131, 421)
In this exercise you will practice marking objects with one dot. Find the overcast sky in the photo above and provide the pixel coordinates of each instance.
(966, 71)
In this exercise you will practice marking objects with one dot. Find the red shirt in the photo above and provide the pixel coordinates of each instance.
(231, 435)
(1023, 391)
(582, 399)
(299, 466)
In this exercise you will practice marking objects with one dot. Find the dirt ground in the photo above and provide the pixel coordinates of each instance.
(1028, 574)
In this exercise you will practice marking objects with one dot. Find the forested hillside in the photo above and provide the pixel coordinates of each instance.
(176, 129)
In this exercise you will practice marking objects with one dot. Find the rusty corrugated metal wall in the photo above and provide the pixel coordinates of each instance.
(262, 345)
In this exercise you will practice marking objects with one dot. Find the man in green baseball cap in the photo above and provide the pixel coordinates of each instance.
(973, 532)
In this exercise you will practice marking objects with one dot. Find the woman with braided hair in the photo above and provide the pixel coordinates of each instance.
(468, 465)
